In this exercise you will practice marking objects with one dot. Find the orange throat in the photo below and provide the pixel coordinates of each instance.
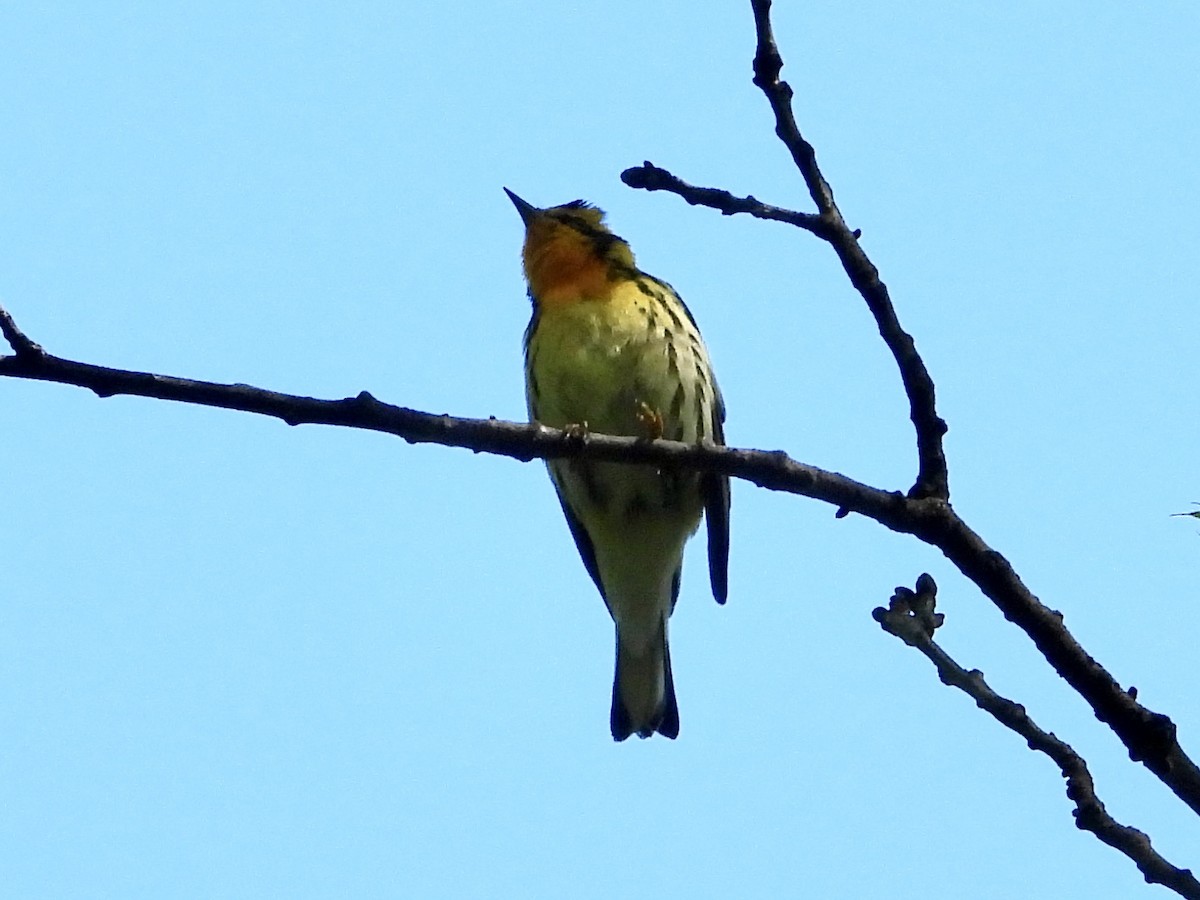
(562, 269)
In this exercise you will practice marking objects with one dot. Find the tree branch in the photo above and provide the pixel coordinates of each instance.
(1150, 736)
(649, 177)
(22, 346)
(925, 512)
(774, 470)
(932, 477)
(910, 616)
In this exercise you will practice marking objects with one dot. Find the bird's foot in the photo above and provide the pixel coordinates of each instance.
(576, 431)
(650, 419)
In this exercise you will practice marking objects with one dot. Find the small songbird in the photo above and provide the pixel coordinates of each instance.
(613, 350)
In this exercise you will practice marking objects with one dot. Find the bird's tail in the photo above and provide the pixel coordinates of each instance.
(643, 690)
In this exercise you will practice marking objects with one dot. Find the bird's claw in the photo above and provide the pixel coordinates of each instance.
(650, 419)
(576, 431)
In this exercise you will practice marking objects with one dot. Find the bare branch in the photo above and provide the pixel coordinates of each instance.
(773, 470)
(16, 338)
(1150, 736)
(767, 66)
(910, 616)
(649, 177)
(924, 511)
(932, 477)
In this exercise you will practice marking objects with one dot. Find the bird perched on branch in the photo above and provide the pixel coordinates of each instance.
(613, 350)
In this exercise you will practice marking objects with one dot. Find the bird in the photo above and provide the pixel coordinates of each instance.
(613, 350)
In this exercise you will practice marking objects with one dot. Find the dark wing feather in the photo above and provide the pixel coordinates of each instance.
(715, 489)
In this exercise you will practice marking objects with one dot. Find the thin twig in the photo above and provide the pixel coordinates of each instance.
(22, 345)
(767, 65)
(1149, 736)
(932, 478)
(910, 616)
(649, 177)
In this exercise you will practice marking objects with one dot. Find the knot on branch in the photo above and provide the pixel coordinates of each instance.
(1155, 741)
(910, 613)
(767, 61)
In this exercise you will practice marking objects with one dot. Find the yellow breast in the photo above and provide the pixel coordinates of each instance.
(586, 360)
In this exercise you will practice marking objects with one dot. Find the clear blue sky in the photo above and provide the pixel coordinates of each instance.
(238, 659)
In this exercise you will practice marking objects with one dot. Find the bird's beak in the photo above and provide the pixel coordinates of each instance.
(527, 210)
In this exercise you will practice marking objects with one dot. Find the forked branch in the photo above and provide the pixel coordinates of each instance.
(924, 510)
(911, 616)
(1149, 736)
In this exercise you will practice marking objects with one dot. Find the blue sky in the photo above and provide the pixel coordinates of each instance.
(238, 659)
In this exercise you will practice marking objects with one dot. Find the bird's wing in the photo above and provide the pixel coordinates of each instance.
(715, 489)
(716, 508)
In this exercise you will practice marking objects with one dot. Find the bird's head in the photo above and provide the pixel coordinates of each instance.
(569, 253)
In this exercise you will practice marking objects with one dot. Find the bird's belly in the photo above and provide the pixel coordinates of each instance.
(619, 383)
(638, 519)
(616, 374)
